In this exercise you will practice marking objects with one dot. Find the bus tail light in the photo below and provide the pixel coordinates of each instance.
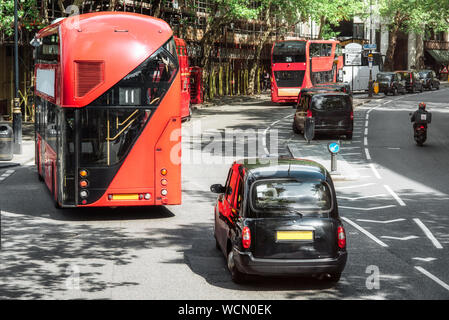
(84, 194)
(164, 172)
(341, 237)
(83, 173)
(352, 115)
(164, 192)
(84, 183)
(164, 182)
(246, 237)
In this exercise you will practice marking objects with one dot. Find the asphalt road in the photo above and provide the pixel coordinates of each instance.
(395, 217)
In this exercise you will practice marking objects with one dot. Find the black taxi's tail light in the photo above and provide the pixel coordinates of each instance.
(341, 237)
(246, 237)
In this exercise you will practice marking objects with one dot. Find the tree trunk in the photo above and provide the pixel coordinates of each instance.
(45, 12)
(419, 52)
(392, 39)
(262, 40)
(156, 6)
(112, 4)
(322, 24)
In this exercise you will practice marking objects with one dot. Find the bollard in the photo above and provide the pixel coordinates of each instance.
(333, 148)
(6, 143)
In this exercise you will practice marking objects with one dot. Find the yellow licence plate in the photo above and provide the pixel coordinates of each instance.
(294, 235)
(125, 196)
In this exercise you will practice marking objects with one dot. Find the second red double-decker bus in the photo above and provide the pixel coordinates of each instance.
(181, 48)
(297, 64)
(108, 126)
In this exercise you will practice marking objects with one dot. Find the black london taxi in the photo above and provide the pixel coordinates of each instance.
(332, 111)
(279, 217)
(429, 79)
(413, 82)
(391, 82)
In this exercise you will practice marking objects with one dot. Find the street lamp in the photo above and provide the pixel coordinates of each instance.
(17, 113)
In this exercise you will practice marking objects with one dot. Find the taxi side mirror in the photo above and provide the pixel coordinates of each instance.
(217, 188)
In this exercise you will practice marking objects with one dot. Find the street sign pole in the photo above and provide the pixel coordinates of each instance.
(17, 113)
(370, 82)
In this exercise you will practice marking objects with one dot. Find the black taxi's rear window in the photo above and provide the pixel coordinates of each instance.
(290, 197)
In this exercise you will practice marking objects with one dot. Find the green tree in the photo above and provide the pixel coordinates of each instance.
(28, 14)
(411, 16)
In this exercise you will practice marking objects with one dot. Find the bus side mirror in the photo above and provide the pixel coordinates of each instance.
(217, 188)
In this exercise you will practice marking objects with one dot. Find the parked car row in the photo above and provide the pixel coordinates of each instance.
(407, 81)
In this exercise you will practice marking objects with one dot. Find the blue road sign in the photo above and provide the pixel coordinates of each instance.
(333, 147)
(371, 46)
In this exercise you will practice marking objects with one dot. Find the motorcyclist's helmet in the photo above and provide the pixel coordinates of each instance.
(422, 105)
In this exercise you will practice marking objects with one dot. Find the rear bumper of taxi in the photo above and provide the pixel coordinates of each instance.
(248, 264)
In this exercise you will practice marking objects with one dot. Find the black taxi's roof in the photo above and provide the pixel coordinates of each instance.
(285, 167)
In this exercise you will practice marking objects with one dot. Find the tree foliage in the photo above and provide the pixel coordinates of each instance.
(28, 14)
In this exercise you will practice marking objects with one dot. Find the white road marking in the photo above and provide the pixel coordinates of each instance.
(368, 156)
(364, 197)
(395, 196)
(383, 222)
(431, 276)
(365, 141)
(365, 232)
(402, 239)
(357, 186)
(368, 209)
(429, 234)
(430, 259)
(376, 173)
(351, 154)
(366, 131)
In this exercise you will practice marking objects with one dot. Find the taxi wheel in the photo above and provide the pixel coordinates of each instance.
(236, 275)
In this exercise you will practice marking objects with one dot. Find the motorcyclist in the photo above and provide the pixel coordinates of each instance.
(417, 116)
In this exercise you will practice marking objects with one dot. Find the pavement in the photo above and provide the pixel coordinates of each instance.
(27, 155)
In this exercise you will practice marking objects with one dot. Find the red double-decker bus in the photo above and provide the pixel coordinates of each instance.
(181, 49)
(108, 125)
(297, 64)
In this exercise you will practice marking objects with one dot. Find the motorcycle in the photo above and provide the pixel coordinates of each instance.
(420, 131)
(420, 134)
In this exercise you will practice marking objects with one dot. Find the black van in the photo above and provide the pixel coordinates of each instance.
(332, 111)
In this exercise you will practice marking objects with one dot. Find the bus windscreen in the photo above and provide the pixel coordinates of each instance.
(289, 51)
